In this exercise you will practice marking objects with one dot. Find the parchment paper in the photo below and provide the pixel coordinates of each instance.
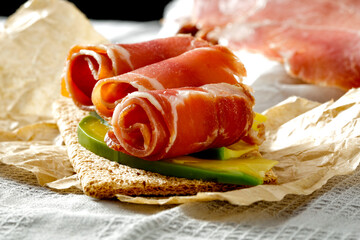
(34, 44)
(312, 141)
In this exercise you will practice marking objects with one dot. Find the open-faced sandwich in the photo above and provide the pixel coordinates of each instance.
(164, 117)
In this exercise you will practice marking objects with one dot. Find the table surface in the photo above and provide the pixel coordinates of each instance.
(29, 211)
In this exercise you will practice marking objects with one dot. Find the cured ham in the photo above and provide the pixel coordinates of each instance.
(326, 57)
(87, 64)
(317, 40)
(212, 14)
(193, 68)
(167, 123)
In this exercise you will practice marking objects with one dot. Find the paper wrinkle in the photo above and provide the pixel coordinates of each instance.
(65, 183)
(313, 137)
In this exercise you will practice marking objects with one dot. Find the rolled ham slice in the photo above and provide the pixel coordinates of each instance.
(193, 68)
(167, 123)
(87, 64)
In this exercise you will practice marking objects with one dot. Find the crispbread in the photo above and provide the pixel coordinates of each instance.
(101, 178)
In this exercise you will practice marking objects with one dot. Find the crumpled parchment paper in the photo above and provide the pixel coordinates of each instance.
(34, 44)
(312, 141)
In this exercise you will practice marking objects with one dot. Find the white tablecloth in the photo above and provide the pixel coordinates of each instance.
(29, 211)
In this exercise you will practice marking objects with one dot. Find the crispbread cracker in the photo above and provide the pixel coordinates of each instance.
(101, 178)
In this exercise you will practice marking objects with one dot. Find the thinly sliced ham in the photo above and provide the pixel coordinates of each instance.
(87, 64)
(210, 14)
(327, 57)
(167, 123)
(193, 68)
(317, 40)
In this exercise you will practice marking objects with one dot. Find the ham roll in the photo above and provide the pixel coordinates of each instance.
(193, 68)
(87, 64)
(161, 124)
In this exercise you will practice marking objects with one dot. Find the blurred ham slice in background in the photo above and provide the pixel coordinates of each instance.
(316, 40)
